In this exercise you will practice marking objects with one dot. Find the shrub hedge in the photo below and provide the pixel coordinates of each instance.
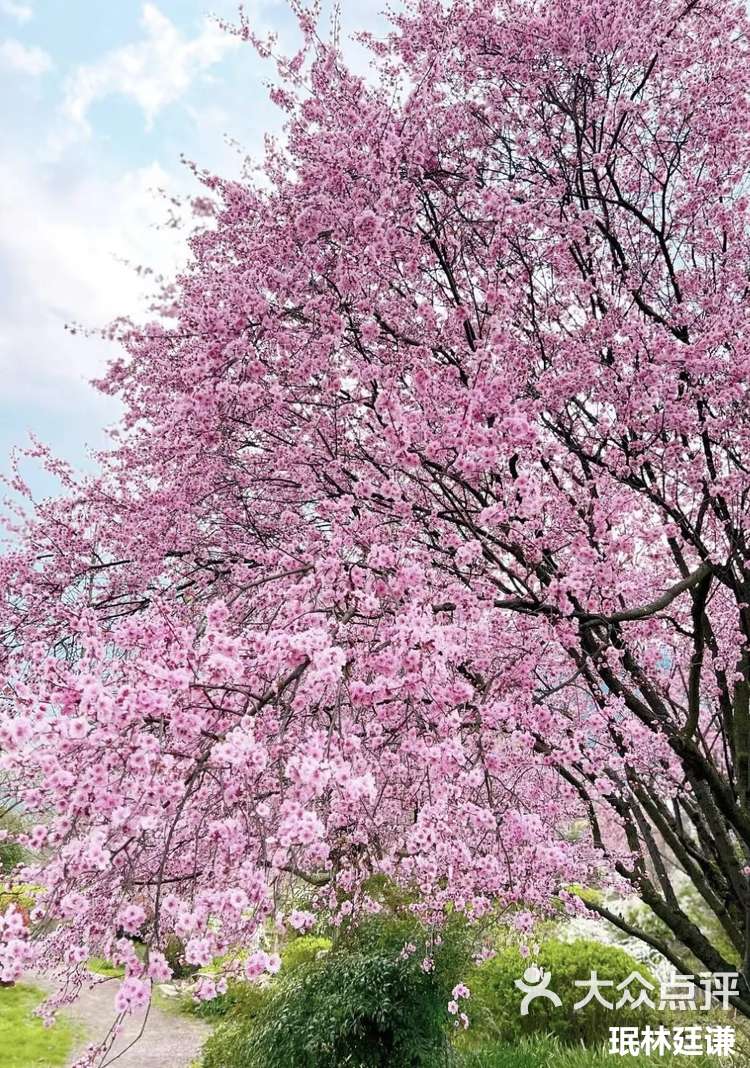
(496, 1001)
(364, 1004)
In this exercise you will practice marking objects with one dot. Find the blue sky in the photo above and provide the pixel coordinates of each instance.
(100, 99)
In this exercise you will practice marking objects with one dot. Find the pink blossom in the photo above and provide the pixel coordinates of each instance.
(301, 920)
(132, 995)
(131, 918)
(256, 964)
(158, 968)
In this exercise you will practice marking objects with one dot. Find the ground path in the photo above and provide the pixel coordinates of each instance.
(170, 1039)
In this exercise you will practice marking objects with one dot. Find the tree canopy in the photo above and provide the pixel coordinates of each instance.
(421, 544)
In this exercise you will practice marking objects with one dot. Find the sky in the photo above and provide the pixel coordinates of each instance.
(101, 100)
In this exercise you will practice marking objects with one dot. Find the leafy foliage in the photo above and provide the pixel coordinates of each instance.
(243, 1000)
(22, 895)
(496, 1001)
(11, 853)
(364, 1004)
(174, 953)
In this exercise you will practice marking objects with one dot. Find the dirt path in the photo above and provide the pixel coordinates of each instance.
(170, 1039)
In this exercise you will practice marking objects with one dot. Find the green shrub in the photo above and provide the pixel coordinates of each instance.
(243, 1000)
(11, 853)
(496, 1002)
(174, 952)
(302, 950)
(22, 895)
(363, 1004)
(532, 1053)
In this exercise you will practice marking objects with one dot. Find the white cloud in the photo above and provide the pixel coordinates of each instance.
(153, 72)
(26, 59)
(14, 10)
(60, 249)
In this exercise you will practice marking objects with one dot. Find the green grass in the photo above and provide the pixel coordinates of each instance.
(170, 1006)
(100, 966)
(546, 1053)
(24, 1040)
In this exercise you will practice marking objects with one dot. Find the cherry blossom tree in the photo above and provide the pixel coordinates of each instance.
(420, 549)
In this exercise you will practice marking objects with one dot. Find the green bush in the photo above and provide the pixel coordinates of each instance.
(11, 853)
(174, 952)
(363, 1004)
(496, 1002)
(22, 895)
(243, 1000)
(302, 950)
